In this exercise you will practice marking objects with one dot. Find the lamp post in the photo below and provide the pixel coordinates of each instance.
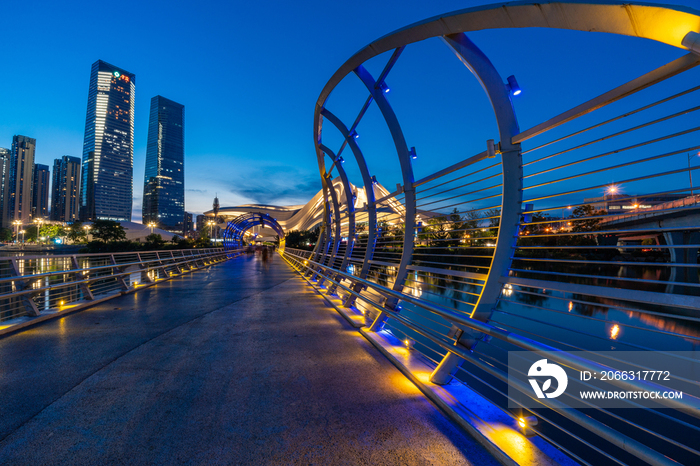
(38, 221)
(87, 232)
(211, 225)
(17, 224)
(151, 225)
(612, 189)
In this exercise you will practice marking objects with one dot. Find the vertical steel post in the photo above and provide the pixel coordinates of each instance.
(392, 123)
(20, 285)
(482, 68)
(84, 288)
(369, 192)
(350, 203)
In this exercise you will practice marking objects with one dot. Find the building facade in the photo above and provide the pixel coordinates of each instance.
(40, 191)
(65, 189)
(21, 179)
(107, 184)
(164, 180)
(188, 225)
(5, 155)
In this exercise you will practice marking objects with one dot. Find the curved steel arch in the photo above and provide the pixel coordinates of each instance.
(236, 228)
(662, 23)
(350, 202)
(369, 193)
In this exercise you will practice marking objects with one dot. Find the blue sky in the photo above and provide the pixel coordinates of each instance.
(249, 74)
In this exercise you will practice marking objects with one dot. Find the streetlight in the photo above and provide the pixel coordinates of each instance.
(87, 232)
(38, 221)
(151, 225)
(211, 225)
(17, 224)
(612, 189)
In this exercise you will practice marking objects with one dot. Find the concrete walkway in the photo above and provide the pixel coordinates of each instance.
(237, 364)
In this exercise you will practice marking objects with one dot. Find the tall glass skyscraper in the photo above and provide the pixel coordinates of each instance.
(65, 188)
(164, 183)
(107, 184)
(22, 178)
(40, 191)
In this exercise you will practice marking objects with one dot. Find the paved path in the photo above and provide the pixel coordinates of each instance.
(236, 364)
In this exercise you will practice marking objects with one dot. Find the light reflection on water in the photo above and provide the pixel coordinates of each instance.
(564, 320)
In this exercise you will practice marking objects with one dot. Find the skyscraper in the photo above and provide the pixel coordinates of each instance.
(5, 187)
(21, 178)
(107, 184)
(40, 191)
(65, 189)
(188, 226)
(164, 181)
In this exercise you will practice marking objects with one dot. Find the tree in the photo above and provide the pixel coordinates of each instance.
(5, 235)
(52, 231)
(154, 241)
(583, 212)
(108, 231)
(203, 241)
(303, 239)
(76, 232)
(495, 215)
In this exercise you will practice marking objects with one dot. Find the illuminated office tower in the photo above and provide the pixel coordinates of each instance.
(4, 187)
(21, 178)
(40, 191)
(65, 189)
(107, 184)
(164, 181)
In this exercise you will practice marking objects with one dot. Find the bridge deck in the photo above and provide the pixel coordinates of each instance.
(237, 364)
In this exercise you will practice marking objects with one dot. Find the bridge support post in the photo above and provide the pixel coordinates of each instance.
(87, 292)
(145, 278)
(120, 279)
(445, 371)
(682, 256)
(25, 299)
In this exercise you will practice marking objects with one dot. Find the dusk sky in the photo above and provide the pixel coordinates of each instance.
(249, 74)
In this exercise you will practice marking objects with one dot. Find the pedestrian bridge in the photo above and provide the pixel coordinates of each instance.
(465, 276)
(196, 370)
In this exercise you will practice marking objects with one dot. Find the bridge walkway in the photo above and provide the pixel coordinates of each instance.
(235, 364)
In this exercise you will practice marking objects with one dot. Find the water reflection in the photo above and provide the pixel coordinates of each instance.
(563, 320)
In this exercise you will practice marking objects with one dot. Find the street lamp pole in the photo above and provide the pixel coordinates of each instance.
(17, 224)
(38, 221)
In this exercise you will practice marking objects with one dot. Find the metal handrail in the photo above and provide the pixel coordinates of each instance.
(615, 437)
(692, 407)
(99, 267)
(90, 280)
(24, 296)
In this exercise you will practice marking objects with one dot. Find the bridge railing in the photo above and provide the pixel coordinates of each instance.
(580, 233)
(32, 285)
(418, 330)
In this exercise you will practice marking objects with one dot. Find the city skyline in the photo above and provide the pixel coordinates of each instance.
(265, 113)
